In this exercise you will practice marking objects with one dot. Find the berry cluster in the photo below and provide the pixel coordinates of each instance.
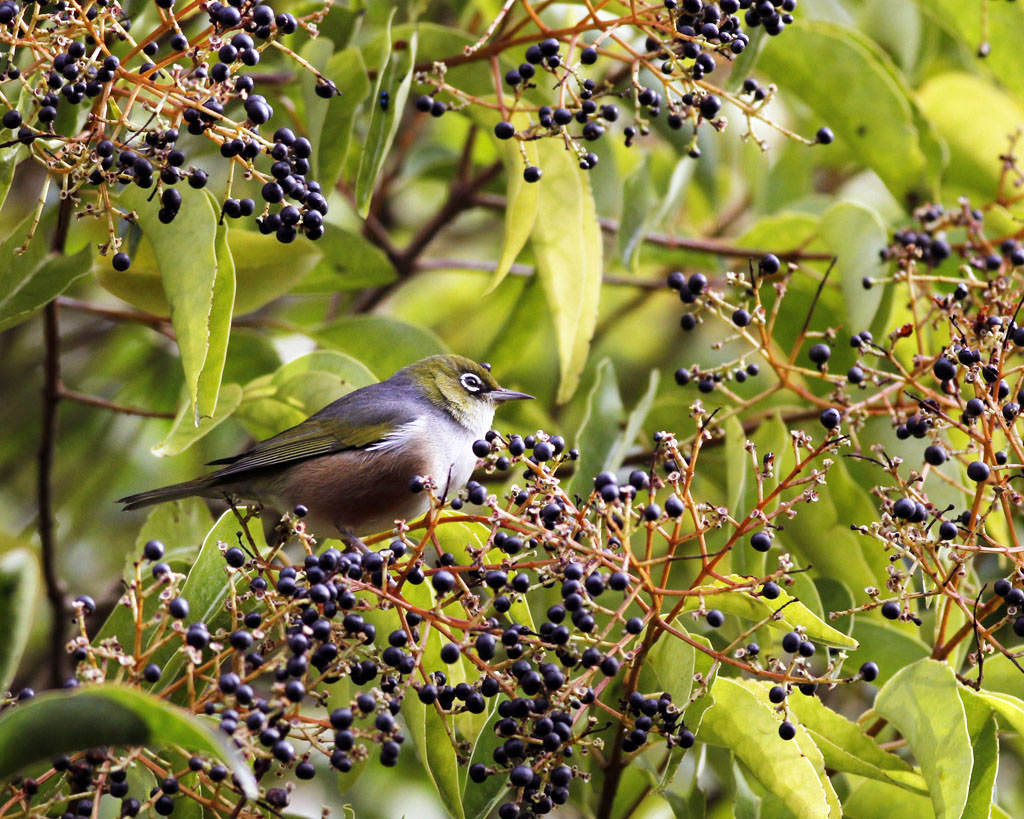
(101, 107)
(532, 609)
(685, 42)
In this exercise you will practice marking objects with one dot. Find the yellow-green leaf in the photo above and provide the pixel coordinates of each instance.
(567, 244)
(792, 612)
(184, 433)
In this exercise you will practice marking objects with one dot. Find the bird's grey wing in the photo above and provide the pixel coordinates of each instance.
(355, 421)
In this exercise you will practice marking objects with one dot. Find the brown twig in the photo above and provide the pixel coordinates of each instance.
(55, 591)
(94, 401)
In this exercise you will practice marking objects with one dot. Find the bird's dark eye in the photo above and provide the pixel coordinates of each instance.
(471, 382)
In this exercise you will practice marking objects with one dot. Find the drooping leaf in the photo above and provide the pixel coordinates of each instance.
(19, 585)
(894, 140)
(198, 285)
(184, 433)
(846, 747)
(742, 720)
(347, 71)
(601, 422)
(395, 77)
(756, 607)
(64, 721)
(923, 703)
(567, 244)
(869, 798)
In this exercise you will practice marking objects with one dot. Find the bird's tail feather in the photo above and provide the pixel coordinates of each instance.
(201, 487)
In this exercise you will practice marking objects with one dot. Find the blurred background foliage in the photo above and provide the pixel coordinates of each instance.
(917, 115)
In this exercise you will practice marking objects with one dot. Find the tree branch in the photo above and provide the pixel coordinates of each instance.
(714, 247)
(95, 401)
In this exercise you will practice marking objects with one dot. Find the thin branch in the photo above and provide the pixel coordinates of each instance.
(94, 401)
(714, 247)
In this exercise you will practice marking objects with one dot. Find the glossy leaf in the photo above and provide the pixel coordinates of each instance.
(64, 721)
(923, 703)
(13, 154)
(742, 721)
(755, 607)
(894, 141)
(184, 433)
(199, 287)
(347, 71)
(981, 725)
(33, 278)
(480, 799)
(668, 666)
(855, 234)
(567, 245)
(19, 587)
(180, 525)
(395, 77)
(847, 748)
(890, 645)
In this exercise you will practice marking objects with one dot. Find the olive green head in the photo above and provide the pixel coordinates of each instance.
(458, 385)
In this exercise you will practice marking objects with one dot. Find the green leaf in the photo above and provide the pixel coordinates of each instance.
(638, 202)
(976, 129)
(981, 725)
(869, 799)
(743, 721)
(13, 154)
(601, 422)
(668, 666)
(385, 344)
(265, 269)
(395, 77)
(923, 703)
(890, 645)
(198, 285)
(863, 99)
(64, 721)
(349, 262)
(33, 278)
(19, 587)
(317, 53)
(846, 747)
(299, 388)
(180, 525)
(520, 196)
(567, 245)
(206, 587)
(840, 552)
(480, 799)
(348, 72)
(184, 433)
(1003, 33)
(855, 234)
(792, 612)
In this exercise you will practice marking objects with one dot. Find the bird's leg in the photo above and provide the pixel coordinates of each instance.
(350, 539)
(250, 513)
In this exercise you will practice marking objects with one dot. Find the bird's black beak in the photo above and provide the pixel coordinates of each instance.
(502, 395)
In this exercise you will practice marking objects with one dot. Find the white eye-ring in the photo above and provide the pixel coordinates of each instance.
(471, 382)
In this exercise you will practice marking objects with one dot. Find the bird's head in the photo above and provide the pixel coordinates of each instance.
(463, 388)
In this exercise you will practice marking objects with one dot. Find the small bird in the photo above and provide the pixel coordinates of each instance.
(352, 464)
